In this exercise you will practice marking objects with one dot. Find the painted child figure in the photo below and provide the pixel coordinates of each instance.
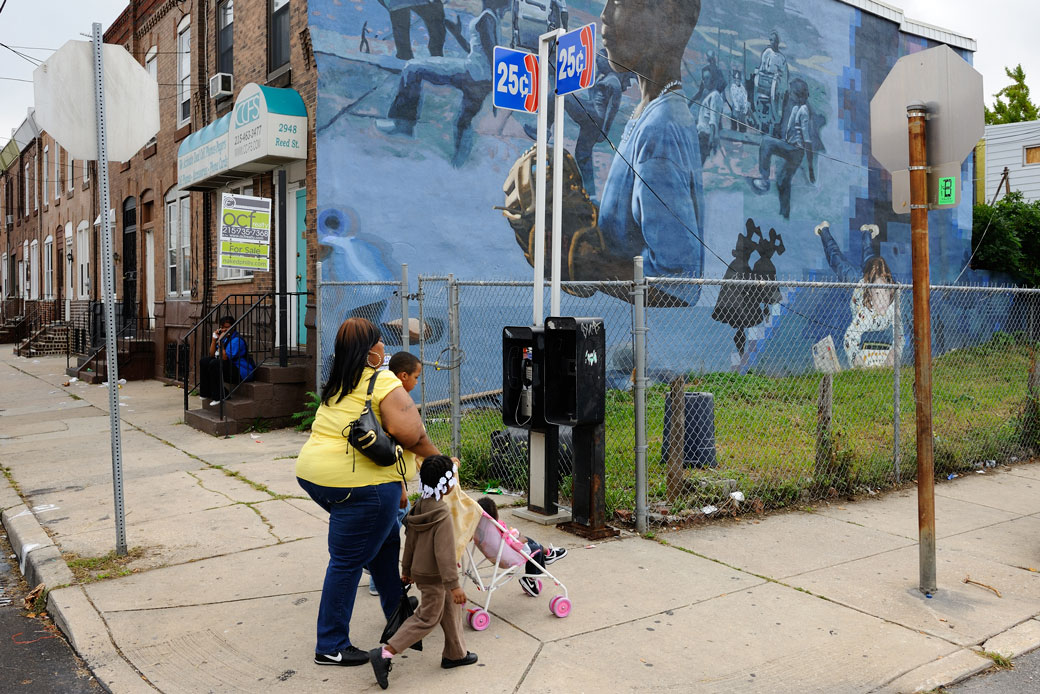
(541, 556)
(429, 561)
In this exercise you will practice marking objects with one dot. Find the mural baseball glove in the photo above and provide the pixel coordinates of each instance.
(580, 227)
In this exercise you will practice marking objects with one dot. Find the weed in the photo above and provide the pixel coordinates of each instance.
(999, 660)
(287, 457)
(111, 565)
(260, 426)
(305, 417)
(74, 396)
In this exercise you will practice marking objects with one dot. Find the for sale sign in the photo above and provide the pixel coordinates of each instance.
(245, 232)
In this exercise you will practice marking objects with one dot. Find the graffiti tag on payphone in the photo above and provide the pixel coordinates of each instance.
(590, 329)
(591, 358)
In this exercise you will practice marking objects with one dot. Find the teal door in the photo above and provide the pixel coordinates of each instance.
(301, 260)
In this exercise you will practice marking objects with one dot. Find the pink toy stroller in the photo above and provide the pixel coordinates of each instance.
(504, 558)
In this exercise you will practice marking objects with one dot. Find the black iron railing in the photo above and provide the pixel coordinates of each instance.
(257, 319)
(131, 330)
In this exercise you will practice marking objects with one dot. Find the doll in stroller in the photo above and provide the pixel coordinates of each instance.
(501, 555)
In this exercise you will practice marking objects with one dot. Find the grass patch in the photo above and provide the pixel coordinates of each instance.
(74, 396)
(999, 660)
(111, 565)
(765, 432)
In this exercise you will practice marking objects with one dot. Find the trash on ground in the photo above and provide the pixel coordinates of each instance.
(121, 381)
(709, 509)
(493, 490)
(737, 496)
(967, 579)
(66, 383)
(73, 379)
(952, 476)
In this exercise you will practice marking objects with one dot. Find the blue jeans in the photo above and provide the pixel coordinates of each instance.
(401, 513)
(362, 532)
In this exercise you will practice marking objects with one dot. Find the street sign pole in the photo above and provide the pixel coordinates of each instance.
(557, 217)
(544, 41)
(917, 124)
(108, 294)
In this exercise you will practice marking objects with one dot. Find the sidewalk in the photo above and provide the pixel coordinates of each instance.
(225, 597)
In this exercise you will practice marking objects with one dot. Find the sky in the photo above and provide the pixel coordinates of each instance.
(1004, 38)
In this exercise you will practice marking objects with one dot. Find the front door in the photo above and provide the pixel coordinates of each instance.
(301, 262)
(129, 262)
(149, 276)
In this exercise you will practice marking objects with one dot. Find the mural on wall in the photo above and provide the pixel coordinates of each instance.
(709, 122)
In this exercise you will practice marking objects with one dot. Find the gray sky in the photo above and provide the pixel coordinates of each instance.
(1003, 29)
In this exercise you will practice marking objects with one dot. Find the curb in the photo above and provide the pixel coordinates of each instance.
(40, 561)
(949, 669)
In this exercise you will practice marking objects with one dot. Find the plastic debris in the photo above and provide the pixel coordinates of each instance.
(737, 496)
(709, 509)
(493, 490)
(952, 476)
(121, 381)
(980, 472)
(73, 379)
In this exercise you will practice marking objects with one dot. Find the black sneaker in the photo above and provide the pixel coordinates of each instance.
(468, 659)
(381, 666)
(349, 657)
(555, 554)
(530, 586)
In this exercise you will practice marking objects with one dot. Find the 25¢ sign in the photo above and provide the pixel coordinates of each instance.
(516, 80)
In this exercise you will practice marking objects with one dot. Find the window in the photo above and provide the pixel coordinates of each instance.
(152, 66)
(1033, 155)
(232, 273)
(178, 244)
(184, 71)
(83, 259)
(46, 154)
(57, 171)
(278, 39)
(225, 36)
(25, 189)
(36, 183)
(48, 268)
(34, 270)
(86, 171)
(69, 177)
(3, 275)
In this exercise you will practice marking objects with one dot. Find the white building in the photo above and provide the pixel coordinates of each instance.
(1017, 147)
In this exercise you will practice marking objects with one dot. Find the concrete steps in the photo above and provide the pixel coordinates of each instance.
(270, 400)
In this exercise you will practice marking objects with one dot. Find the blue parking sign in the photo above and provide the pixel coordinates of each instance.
(576, 60)
(516, 80)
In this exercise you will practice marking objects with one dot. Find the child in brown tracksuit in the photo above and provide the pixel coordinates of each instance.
(429, 560)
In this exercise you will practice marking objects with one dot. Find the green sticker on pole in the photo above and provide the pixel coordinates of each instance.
(947, 190)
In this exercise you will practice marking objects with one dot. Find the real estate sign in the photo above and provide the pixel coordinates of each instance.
(245, 232)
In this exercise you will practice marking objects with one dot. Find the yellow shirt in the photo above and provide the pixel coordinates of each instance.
(327, 459)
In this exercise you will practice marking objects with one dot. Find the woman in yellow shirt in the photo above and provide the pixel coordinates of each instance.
(361, 497)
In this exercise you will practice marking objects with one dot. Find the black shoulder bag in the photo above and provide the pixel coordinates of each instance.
(366, 434)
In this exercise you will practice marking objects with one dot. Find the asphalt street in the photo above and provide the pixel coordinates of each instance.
(34, 655)
(1024, 678)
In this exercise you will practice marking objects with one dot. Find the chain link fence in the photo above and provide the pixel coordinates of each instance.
(727, 395)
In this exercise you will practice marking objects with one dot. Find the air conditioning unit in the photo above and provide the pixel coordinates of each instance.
(221, 84)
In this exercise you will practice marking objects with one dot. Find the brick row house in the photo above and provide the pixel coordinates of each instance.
(233, 77)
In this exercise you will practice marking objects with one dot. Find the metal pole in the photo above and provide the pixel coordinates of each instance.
(639, 388)
(422, 352)
(455, 366)
(916, 115)
(897, 363)
(283, 276)
(108, 289)
(557, 217)
(405, 330)
(318, 329)
(539, 195)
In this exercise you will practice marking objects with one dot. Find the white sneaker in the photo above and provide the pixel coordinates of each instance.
(214, 403)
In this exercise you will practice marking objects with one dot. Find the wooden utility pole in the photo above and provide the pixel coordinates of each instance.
(917, 118)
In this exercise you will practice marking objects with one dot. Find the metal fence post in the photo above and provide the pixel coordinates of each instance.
(318, 356)
(897, 363)
(639, 388)
(405, 329)
(422, 352)
(456, 376)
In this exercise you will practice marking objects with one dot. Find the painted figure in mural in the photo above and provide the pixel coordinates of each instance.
(652, 203)
(432, 14)
(771, 84)
(796, 142)
(593, 109)
(736, 97)
(744, 307)
(364, 46)
(709, 115)
(716, 78)
(471, 75)
(872, 308)
(652, 198)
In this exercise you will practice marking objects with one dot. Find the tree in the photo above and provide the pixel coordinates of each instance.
(1006, 238)
(1018, 107)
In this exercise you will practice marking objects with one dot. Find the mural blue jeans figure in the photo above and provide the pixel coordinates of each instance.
(432, 14)
(792, 156)
(452, 72)
(362, 532)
